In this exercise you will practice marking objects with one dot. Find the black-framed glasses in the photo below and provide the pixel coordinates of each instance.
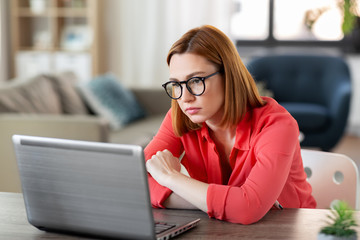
(195, 85)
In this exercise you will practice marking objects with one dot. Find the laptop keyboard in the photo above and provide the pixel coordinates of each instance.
(162, 226)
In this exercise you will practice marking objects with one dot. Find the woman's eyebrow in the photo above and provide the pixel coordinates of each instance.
(188, 76)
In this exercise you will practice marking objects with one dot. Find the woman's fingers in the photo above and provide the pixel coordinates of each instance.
(162, 164)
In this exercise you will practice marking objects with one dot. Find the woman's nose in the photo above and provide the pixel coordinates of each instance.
(187, 96)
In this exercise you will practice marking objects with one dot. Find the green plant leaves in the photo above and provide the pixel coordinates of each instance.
(341, 221)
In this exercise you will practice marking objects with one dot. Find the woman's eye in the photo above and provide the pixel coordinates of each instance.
(196, 81)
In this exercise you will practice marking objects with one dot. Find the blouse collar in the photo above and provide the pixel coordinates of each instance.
(243, 131)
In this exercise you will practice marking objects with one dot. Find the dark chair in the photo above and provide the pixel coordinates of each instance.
(316, 91)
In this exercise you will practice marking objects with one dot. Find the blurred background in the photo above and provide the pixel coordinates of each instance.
(130, 38)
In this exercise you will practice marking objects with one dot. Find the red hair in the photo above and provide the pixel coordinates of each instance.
(241, 92)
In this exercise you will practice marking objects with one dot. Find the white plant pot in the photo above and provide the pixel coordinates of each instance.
(322, 236)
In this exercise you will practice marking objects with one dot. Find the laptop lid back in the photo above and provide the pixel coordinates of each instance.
(85, 187)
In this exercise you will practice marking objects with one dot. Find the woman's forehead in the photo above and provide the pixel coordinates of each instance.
(186, 64)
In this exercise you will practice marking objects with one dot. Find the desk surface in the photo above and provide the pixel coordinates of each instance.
(277, 224)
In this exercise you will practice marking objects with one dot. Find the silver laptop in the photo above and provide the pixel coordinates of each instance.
(90, 188)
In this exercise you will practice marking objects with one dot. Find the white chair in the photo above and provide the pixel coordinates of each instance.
(332, 176)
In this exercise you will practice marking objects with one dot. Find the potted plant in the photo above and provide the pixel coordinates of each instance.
(351, 24)
(350, 21)
(340, 224)
(349, 18)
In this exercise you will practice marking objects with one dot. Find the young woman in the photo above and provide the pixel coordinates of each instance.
(241, 151)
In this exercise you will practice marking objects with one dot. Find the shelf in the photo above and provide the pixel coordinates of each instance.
(52, 12)
(55, 27)
(72, 12)
(26, 12)
(34, 49)
(51, 49)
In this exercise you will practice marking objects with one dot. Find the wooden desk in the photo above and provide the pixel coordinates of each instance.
(285, 224)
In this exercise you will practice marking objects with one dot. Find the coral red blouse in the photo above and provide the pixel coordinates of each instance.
(265, 165)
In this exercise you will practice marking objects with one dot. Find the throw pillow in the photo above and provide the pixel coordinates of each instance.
(108, 98)
(30, 95)
(65, 85)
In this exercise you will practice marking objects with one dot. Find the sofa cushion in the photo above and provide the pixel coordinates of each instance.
(65, 85)
(138, 132)
(32, 95)
(310, 117)
(107, 97)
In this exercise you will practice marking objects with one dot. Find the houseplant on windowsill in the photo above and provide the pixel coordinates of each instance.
(349, 8)
(350, 25)
(340, 227)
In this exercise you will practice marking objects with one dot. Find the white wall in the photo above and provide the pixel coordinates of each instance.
(139, 34)
(4, 43)
(128, 42)
(354, 118)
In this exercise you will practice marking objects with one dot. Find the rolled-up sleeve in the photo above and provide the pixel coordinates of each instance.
(164, 139)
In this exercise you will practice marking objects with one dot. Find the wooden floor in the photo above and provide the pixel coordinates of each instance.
(350, 146)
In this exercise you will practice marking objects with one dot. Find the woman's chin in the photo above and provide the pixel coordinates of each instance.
(196, 119)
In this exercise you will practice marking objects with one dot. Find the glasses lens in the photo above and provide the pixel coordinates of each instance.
(196, 85)
(173, 89)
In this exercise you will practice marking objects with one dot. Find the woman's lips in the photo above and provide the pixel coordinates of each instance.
(192, 111)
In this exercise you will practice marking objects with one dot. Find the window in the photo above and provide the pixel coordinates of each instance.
(250, 20)
(307, 20)
(284, 22)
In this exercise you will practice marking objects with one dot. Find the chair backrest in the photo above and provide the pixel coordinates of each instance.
(332, 176)
(300, 78)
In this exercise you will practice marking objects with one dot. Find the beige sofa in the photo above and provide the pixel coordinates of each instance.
(47, 117)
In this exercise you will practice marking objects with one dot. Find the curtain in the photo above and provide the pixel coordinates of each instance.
(139, 34)
(4, 36)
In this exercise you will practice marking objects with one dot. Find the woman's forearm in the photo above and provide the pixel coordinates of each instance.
(166, 170)
(177, 202)
(189, 192)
